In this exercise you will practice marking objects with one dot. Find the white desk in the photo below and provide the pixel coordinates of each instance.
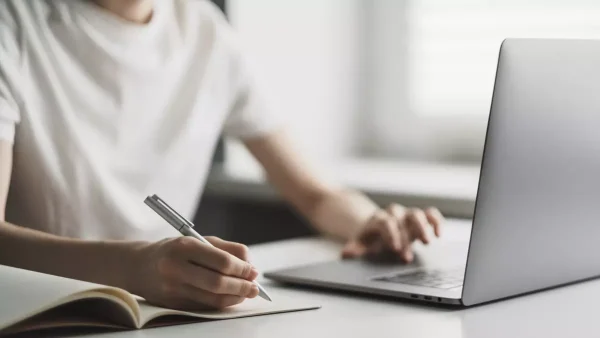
(572, 311)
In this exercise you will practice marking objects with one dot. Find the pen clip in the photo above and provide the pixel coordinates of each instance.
(164, 204)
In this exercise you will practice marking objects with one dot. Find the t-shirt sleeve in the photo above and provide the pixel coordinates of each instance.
(252, 113)
(9, 113)
(9, 56)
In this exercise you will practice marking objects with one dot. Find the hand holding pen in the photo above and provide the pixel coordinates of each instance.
(191, 273)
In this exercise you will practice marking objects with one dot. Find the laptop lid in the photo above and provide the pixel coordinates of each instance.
(537, 216)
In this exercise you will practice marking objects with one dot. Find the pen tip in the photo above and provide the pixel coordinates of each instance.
(264, 295)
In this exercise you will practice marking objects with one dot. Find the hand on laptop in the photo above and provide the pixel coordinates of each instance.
(394, 229)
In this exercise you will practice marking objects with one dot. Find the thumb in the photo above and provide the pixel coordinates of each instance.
(353, 249)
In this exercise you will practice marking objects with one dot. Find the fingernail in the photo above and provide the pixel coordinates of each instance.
(253, 292)
(253, 273)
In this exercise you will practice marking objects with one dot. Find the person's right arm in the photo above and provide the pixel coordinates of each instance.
(180, 272)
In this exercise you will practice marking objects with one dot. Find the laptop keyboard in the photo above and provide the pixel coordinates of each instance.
(434, 278)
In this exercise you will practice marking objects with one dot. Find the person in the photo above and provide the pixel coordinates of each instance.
(104, 102)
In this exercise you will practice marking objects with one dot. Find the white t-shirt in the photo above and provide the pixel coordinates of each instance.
(104, 112)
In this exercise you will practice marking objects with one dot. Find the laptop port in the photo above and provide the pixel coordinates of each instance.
(414, 296)
(427, 297)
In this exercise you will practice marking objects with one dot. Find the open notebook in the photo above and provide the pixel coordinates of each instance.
(31, 301)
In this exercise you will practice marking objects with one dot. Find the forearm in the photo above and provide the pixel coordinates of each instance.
(341, 213)
(334, 211)
(106, 263)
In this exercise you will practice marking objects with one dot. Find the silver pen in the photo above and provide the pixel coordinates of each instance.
(185, 227)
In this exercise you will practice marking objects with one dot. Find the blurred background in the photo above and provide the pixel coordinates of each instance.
(387, 96)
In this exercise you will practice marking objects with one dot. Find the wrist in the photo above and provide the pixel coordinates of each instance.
(131, 260)
(344, 213)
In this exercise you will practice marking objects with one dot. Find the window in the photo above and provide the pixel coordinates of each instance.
(393, 79)
(433, 62)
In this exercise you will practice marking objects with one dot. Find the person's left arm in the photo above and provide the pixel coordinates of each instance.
(337, 211)
(343, 213)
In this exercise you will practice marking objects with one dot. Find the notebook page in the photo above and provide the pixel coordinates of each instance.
(248, 308)
(25, 293)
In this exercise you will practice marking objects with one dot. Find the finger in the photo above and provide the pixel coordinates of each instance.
(353, 249)
(371, 233)
(237, 249)
(208, 280)
(399, 214)
(406, 253)
(396, 210)
(377, 247)
(390, 233)
(191, 249)
(417, 223)
(206, 299)
(435, 218)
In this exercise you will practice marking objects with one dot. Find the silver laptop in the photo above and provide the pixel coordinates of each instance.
(536, 221)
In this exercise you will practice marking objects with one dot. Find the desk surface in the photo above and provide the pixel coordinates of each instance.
(570, 311)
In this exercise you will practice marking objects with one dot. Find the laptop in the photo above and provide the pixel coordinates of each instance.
(536, 222)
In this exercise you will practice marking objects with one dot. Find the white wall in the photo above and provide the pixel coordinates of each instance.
(307, 54)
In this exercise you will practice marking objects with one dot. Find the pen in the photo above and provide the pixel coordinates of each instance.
(185, 227)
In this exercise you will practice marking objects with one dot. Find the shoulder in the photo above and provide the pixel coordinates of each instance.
(200, 12)
(212, 32)
(202, 9)
(206, 16)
